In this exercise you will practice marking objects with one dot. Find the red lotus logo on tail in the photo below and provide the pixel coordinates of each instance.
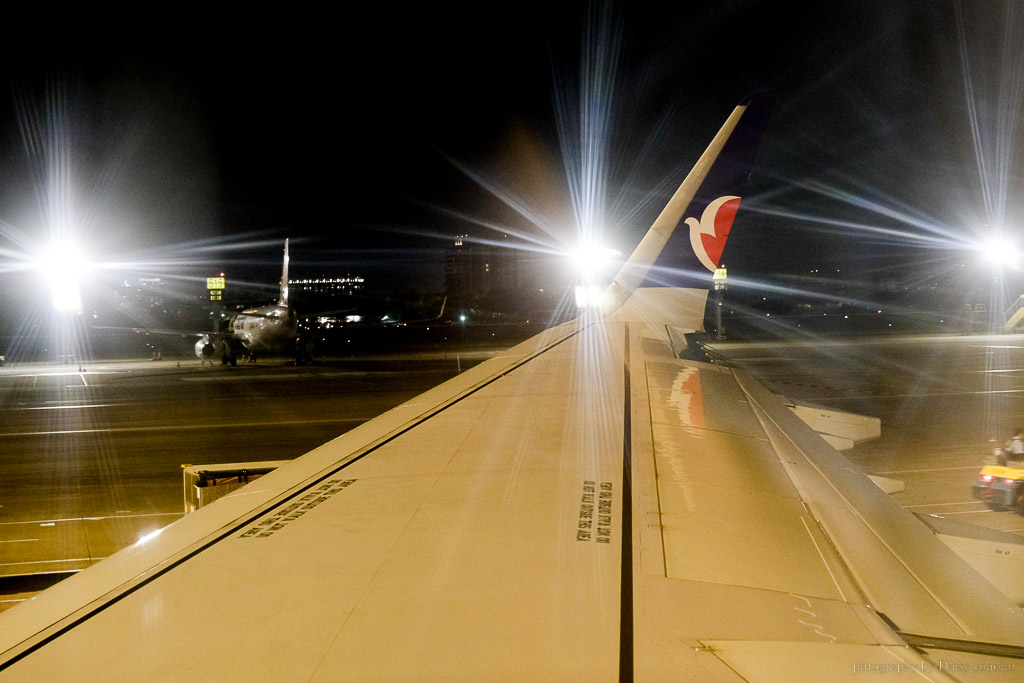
(707, 236)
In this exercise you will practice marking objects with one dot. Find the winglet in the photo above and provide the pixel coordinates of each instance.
(685, 244)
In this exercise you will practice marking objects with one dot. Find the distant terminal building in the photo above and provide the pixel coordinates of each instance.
(157, 302)
(326, 286)
(474, 271)
(143, 291)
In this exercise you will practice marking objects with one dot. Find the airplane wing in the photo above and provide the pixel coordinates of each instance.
(182, 333)
(588, 506)
(208, 344)
(154, 330)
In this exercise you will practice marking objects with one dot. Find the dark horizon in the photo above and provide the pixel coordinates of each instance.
(372, 144)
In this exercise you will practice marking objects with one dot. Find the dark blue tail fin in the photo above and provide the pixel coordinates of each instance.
(685, 244)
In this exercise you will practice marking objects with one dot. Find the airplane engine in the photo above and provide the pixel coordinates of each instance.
(204, 349)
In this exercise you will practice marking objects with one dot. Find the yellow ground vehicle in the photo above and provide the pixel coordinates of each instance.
(1000, 487)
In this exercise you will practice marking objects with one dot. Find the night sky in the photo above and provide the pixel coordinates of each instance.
(372, 137)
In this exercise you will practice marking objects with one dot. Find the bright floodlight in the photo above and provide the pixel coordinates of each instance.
(63, 266)
(1001, 252)
(590, 296)
(591, 263)
(590, 260)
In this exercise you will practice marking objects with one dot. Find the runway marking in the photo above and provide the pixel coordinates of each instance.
(51, 522)
(933, 469)
(178, 428)
(37, 375)
(69, 559)
(304, 376)
(91, 405)
(967, 512)
(862, 397)
(926, 505)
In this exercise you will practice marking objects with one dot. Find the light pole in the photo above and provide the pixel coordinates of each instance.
(719, 279)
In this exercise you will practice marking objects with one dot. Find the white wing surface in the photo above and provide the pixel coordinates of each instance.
(586, 507)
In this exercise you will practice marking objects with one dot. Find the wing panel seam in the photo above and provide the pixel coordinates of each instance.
(626, 578)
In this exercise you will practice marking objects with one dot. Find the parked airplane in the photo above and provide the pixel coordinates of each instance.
(268, 328)
(588, 506)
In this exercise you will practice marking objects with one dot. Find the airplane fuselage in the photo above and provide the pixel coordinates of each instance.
(265, 328)
(268, 328)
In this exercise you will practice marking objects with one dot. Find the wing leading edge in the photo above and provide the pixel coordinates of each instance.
(587, 504)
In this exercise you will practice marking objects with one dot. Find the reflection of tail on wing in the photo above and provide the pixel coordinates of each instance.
(586, 505)
(687, 399)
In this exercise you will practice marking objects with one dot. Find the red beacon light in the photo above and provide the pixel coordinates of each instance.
(986, 477)
(1010, 482)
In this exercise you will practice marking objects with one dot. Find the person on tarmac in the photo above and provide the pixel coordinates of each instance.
(1015, 447)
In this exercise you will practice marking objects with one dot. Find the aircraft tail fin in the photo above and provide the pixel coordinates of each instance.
(440, 314)
(675, 260)
(284, 277)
